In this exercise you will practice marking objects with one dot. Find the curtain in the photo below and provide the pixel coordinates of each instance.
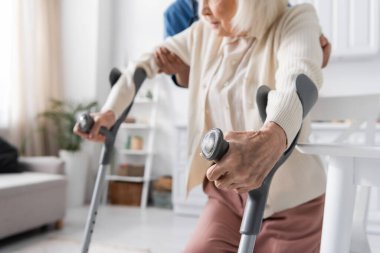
(37, 73)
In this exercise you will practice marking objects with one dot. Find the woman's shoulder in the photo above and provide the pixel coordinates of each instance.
(300, 16)
(300, 12)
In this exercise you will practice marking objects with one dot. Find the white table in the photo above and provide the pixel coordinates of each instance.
(348, 167)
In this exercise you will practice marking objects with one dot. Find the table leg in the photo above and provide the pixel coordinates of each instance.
(339, 206)
(359, 240)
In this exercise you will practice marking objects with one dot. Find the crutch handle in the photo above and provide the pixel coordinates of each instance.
(213, 145)
(86, 122)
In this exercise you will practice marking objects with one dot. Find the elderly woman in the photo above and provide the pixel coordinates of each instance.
(237, 46)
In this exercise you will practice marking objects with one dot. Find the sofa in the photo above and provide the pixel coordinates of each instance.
(34, 197)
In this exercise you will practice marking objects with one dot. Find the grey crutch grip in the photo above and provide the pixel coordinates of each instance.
(213, 145)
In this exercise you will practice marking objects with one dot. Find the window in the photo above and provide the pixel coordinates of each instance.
(7, 30)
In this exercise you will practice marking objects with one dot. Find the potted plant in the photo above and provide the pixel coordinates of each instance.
(63, 116)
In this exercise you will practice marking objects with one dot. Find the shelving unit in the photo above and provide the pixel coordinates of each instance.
(144, 128)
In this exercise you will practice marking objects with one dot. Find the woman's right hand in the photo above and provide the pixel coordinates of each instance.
(249, 159)
(102, 119)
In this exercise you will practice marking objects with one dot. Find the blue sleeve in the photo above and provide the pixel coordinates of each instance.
(177, 18)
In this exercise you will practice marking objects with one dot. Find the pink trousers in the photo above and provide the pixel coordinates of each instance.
(295, 230)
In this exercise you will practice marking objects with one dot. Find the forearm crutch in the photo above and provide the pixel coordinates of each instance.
(214, 146)
(85, 124)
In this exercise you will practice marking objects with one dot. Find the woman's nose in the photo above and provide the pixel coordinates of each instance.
(205, 8)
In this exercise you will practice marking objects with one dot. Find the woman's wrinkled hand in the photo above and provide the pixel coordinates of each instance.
(250, 157)
(169, 63)
(104, 119)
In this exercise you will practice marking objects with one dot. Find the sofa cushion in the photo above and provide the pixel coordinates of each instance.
(29, 200)
(8, 158)
(22, 183)
(43, 164)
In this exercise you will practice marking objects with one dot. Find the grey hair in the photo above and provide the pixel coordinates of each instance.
(254, 17)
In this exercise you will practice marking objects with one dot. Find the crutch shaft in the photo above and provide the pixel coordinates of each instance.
(247, 243)
(95, 201)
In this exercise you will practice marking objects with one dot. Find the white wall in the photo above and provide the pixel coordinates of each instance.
(139, 28)
(79, 45)
(87, 35)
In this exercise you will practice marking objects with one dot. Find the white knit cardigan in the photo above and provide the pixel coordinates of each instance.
(289, 47)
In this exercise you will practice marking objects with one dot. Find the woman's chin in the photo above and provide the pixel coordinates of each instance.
(218, 29)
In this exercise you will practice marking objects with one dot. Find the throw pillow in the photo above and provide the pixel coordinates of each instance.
(8, 158)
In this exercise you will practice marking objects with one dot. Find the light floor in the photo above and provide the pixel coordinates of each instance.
(158, 230)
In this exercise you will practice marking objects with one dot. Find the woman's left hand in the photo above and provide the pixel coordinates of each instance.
(250, 157)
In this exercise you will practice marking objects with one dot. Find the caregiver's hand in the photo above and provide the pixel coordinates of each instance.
(102, 119)
(326, 48)
(169, 63)
(250, 157)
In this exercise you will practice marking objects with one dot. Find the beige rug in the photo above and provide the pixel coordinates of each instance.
(66, 245)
